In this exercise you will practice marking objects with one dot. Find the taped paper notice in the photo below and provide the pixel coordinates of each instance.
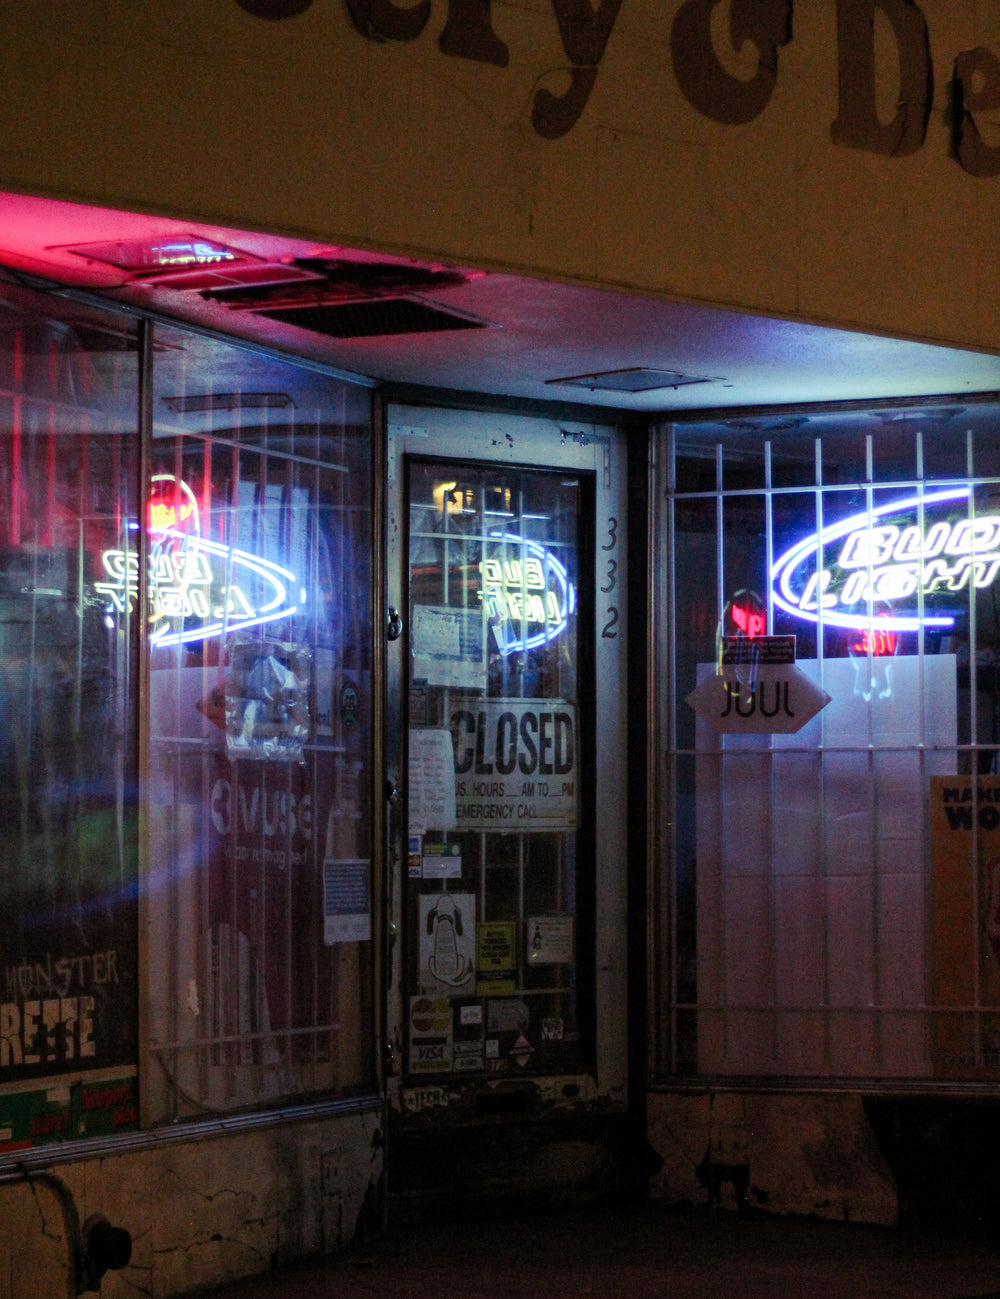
(449, 646)
(346, 908)
(431, 787)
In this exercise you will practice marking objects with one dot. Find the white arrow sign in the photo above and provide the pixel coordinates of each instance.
(771, 699)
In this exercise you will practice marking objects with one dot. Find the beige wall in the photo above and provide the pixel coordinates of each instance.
(305, 126)
(788, 1153)
(199, 1212)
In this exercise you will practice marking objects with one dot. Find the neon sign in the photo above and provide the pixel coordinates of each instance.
(751, 622)
(877, 641)
(196, 588)
(525, 591)
(901, 554)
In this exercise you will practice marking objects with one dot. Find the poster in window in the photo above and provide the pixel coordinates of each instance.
(447, 942)
(965, 900)
(267, 699)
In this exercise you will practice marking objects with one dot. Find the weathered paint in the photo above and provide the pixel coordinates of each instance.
(304, 125)
(788, 1152)
(199, 1212)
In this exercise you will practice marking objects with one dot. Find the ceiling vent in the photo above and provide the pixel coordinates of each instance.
(204, 279)
(356, 299)
(634, 379)
(190, 262)
(371, 319)
(336, 279)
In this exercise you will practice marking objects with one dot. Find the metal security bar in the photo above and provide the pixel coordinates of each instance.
(832, 906)
(261, 730)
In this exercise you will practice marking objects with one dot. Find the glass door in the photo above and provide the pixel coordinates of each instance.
(498, 900)
(505, 748)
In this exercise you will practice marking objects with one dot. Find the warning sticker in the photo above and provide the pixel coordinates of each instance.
(442, 861)
(550, 940)
(468, 1056)
(522, 1051)
(496, 958)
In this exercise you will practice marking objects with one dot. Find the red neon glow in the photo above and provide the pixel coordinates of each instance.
(164, 514)
(751, 622)
(877, 643)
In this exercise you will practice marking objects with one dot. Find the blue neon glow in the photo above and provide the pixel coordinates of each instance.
(276, 580)
(786, 571)
(554, 573)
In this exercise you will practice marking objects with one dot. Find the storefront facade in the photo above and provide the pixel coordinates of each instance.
(832, 907)
(497, 598)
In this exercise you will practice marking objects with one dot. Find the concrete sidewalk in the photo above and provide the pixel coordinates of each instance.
(642, 1252)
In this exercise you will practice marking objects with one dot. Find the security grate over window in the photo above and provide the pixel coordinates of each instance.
(832, 904)
(260, 705)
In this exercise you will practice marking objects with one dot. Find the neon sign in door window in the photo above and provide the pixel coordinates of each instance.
(911, 558)
(526, 592)
(197, 588)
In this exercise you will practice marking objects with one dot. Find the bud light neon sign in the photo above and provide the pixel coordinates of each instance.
(909, 558)
(526, 592)
(197, 588)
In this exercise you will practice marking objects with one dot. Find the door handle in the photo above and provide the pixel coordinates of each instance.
(394, 624)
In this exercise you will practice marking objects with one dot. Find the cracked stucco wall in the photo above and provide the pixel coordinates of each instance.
(201, 1212)
(793, 1153)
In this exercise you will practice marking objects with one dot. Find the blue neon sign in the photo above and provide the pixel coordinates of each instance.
(526, 592)
(907, 560)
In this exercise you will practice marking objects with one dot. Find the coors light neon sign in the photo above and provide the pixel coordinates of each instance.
(909, 560)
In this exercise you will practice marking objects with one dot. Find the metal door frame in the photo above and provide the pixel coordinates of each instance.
(518, 440)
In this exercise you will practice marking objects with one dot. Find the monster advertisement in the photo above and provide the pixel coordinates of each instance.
(68, 988)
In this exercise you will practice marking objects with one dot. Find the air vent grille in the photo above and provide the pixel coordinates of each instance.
(221, 279)
(372, 319)
(199, 403)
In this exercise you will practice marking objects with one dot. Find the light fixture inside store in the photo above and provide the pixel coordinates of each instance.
(632, 379)
(198, 403)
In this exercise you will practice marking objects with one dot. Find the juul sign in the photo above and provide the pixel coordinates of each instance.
(759, 690)
(766, 25)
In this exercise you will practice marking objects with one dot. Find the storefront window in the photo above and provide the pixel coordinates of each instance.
(186, 736)
(260, 708)
(832, 906)
(69, 485)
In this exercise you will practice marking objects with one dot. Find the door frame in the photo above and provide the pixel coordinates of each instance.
(599, 450)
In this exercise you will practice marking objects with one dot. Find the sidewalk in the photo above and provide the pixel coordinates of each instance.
(642, 1253)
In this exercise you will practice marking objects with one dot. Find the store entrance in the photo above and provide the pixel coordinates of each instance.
(505, 757)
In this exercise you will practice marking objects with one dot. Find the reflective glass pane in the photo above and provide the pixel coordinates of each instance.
(69, 476)
(258, 536)
(499, 898)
